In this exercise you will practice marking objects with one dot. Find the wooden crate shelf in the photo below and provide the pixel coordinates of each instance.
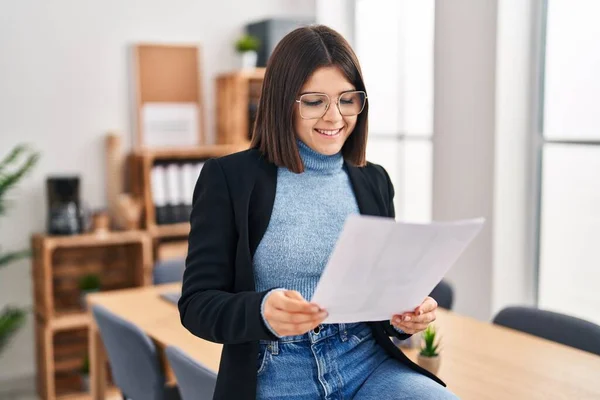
(61, 353)
(172, 230)
(141, 164)
(120, 260)
(238, 94)
(70, 320)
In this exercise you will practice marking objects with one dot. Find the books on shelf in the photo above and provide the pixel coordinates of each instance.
(173, 185)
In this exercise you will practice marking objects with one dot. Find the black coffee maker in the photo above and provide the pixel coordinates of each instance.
(65, 216)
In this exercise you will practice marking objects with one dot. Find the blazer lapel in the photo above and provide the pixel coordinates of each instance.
(261, 203)
(363, 191)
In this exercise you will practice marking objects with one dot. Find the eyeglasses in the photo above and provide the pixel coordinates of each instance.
(315, 105)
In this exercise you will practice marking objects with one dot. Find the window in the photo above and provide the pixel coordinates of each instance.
(569, 241)
(394, 42)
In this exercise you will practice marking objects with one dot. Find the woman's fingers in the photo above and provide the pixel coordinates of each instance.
(300, 328)
(288, 313)
(297, 318)
(428, 305)
(411, 318)
(413, 323)
(292, 301)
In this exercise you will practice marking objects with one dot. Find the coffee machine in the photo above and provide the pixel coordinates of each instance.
(65, 216)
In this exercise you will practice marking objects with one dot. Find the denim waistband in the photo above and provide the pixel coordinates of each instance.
(321, 332)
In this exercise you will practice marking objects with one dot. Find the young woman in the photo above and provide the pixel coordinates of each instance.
(264, 224)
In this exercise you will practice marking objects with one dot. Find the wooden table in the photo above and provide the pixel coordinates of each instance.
(479, 360)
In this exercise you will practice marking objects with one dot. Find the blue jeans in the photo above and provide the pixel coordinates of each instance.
(338, 361)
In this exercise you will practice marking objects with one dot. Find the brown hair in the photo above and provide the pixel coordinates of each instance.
(293, 61)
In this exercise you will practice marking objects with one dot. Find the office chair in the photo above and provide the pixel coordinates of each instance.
(133, 359)
(168, 271)
(561, 328)
(443, 294)
(195, 381)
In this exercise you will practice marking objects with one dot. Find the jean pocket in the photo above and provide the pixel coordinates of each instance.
(359, 334)
(262, 358)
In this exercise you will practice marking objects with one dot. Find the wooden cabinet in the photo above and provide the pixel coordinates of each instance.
(237, 95)
(118, 260)
(169, 239)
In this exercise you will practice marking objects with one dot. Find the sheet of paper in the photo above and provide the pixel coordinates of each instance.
(380, 267)
(170, 124)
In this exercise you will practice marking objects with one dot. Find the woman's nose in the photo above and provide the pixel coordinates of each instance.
(332, 114)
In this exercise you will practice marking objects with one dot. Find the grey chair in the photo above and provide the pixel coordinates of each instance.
(168, 271)
(561, 328)
(443, 294)
(133, 359)
(195, 381)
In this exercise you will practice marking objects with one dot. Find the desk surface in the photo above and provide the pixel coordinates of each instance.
(479, 360)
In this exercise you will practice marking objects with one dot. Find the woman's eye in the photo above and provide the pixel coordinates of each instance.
(346, 101)
(312, 103)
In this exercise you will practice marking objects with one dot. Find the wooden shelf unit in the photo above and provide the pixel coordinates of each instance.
(237, 99)
(120, 260)
(142, 163)
(168, 73)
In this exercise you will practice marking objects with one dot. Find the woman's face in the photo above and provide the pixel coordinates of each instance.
(325, 135)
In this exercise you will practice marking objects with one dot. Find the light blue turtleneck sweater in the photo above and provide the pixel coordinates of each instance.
(308, 215)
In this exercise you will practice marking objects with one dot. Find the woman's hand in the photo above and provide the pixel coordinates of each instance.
(417, 321)
(289, 314)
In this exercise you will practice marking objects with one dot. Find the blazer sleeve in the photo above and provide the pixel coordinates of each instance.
(390, 329)
(208, 307)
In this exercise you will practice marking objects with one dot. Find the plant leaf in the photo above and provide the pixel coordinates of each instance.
(12, 156)
(11, 319)
(9, 180)
(14, 256)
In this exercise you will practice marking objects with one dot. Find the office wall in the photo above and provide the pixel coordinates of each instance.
(483, 162)
(463, 141)
(518, 51)
(337, 14)
(64, 83)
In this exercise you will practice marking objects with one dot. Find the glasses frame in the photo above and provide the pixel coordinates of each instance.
(337, 103)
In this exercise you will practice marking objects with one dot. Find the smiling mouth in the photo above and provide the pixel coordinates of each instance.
(329, 132)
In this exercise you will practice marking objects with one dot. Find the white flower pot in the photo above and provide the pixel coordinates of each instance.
(431, 364)
(248, 59)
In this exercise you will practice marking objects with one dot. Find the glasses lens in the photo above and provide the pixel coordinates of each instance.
(352, 103)
(313, 105)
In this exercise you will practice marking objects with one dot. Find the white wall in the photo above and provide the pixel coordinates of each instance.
(64, 83)
(483, 119)
(514, 176)
(338, 15)
(463, 140)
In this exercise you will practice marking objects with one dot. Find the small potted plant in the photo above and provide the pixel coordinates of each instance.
(429, 357)
(88, 284)
(247, 47)
(84, 373)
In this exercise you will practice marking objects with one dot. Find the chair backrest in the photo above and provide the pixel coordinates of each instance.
(561, 328)
(195, 381)
(132, 357)
(443, 294)
(168, 271)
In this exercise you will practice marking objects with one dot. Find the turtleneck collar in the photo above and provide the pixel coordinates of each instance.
(314, 161)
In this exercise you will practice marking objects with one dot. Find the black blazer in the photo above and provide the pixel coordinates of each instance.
(232, 204)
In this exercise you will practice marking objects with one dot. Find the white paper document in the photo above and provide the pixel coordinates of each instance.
(380, 267)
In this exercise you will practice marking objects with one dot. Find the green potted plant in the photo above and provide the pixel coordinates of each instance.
(247, 47)
(429, 356)
(88, 284)
(12, 169)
